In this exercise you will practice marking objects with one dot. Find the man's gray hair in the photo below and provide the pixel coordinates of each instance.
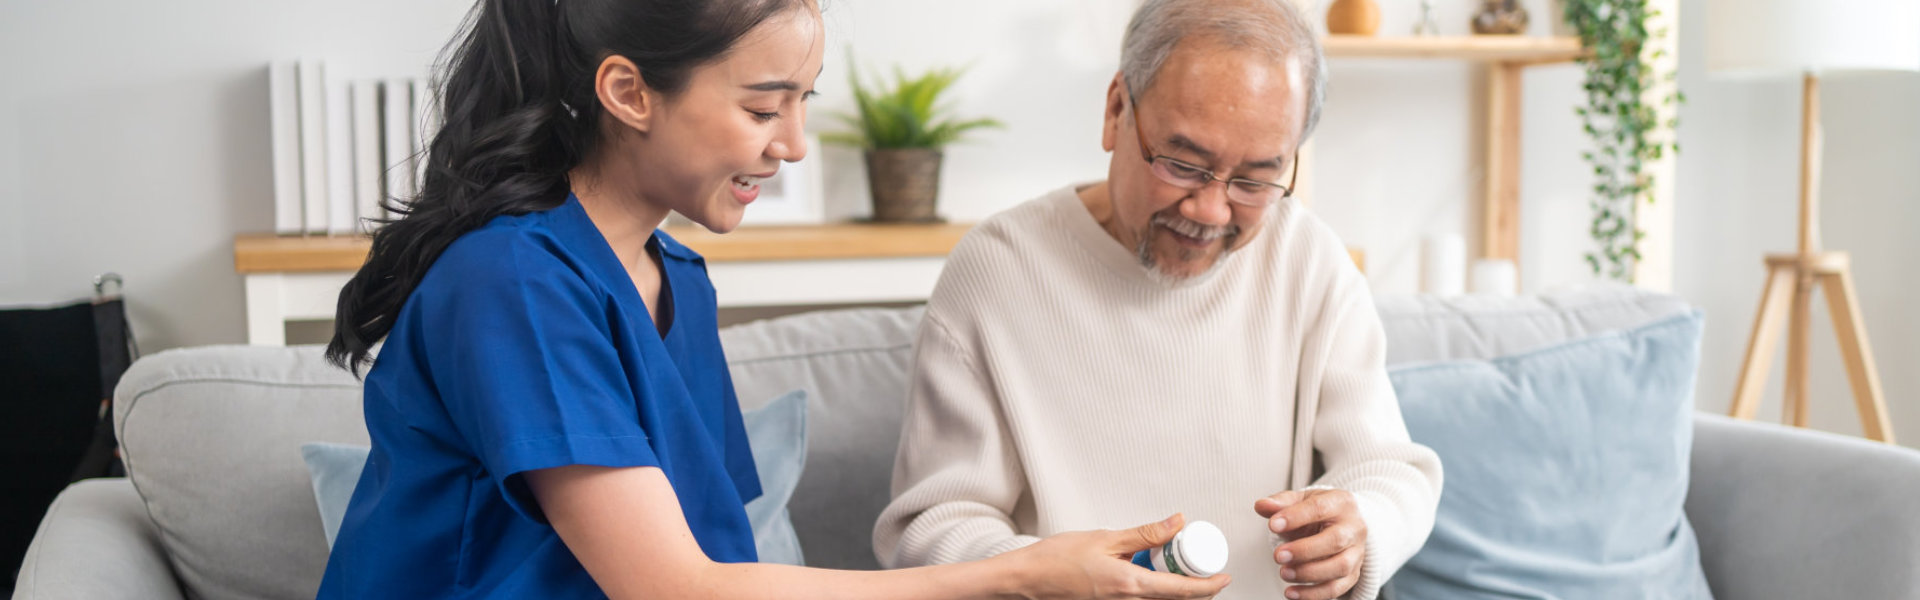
(1276, 27)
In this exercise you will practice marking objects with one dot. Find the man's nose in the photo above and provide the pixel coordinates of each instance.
(1208, 205)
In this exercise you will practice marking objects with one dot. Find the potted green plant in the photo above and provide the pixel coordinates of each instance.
(903, 126)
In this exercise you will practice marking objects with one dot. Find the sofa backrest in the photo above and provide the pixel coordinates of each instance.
(1430, 328)
(854, 365)
(211, 439)
(212, 435)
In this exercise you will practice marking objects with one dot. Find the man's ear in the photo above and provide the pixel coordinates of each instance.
(625, 94)
(1116, 108)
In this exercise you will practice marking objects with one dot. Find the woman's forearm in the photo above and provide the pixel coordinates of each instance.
(625, 526)
(982, 580)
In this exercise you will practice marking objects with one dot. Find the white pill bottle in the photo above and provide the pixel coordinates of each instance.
(1199, 550)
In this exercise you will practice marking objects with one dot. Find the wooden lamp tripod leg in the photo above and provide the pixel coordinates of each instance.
(1794, 403)
(1844, 305)
(1766, 336)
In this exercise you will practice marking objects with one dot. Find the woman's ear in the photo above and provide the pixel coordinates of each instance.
(1116, 107)
(625, 94)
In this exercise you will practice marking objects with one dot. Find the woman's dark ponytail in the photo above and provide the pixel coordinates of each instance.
(518, 112)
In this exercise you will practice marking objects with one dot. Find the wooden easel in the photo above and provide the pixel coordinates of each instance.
(1791, 279)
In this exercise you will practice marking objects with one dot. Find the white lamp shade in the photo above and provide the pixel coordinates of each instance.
(1753, 37)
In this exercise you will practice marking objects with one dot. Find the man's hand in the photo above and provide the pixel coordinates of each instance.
(1326, 541)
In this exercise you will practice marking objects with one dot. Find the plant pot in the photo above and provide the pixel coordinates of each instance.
(905, 183)
(1353, 17)
(1500, 17)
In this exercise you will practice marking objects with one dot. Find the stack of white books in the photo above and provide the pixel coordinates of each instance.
(343, 149)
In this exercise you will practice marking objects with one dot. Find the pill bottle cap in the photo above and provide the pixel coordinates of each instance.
(1202, 548)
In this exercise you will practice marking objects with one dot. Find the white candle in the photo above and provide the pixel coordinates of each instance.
(1443, 264)
(1496, 277)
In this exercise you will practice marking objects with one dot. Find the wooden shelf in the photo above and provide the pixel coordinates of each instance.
(266, 253)
(263, 253)
(823, 242)
(1491, 48)
(277, 254)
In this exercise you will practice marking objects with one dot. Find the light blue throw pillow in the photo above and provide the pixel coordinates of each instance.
(777, 433)
(1566, 469)
(336, 470)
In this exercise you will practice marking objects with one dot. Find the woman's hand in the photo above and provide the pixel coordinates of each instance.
(1097, 564)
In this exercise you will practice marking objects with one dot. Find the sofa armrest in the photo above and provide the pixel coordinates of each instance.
(1791, 513)
(96, 542)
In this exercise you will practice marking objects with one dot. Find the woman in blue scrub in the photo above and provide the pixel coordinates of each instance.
(551, 412)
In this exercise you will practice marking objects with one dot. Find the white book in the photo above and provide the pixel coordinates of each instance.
(283, 102)
(396, 119)
(339, 156)
(426, 119)
(368, 160)
(313, 145)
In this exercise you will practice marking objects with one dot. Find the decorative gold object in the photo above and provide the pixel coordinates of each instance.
(1500, 17)
(1353, 17)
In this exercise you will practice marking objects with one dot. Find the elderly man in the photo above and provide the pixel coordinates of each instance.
(1181, 337)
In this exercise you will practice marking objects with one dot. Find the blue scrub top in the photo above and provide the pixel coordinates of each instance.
(525, 347)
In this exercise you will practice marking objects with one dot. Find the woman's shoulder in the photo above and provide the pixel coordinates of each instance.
(511, 251)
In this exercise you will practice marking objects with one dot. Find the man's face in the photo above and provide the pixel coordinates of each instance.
(1234, 113)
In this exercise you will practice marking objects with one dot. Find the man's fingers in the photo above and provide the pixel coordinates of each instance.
(1332, 568)
(1308, 509)
(1272, 504)
(1154, 584)
(1146, 536)
(1332, 539)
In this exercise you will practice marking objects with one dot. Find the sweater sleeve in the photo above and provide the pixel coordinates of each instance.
(957, 476)
(1363, 443)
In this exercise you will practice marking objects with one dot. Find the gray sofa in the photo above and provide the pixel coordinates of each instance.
(219, 503)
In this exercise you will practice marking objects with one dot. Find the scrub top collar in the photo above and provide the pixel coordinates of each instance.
(580, 235)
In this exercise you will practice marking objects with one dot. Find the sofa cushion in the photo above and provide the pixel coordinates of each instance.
(211, 438)
(1431, 328)
(1567, 469)
(853, 365)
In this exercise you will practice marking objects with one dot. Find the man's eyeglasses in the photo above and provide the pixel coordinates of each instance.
(1188, 176)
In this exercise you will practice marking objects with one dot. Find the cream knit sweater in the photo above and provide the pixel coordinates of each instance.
(1058, 387)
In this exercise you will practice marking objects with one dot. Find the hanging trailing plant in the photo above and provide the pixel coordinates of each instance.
(1625, 128)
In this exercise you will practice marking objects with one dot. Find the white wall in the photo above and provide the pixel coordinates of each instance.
(1739, 178)
(133, 138)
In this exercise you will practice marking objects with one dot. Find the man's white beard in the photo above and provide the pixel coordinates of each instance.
(1144, 251)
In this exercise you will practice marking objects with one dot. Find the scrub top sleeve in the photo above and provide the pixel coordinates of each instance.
(527, 368)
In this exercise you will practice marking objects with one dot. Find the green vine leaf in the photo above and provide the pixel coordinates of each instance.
(1625, 127)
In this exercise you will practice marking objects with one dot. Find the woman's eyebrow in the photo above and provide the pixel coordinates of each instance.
(783, 85)
(774, 86)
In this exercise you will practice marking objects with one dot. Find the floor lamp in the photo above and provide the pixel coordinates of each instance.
(1811, 38)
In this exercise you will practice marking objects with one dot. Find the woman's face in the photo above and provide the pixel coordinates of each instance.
(737, 119)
